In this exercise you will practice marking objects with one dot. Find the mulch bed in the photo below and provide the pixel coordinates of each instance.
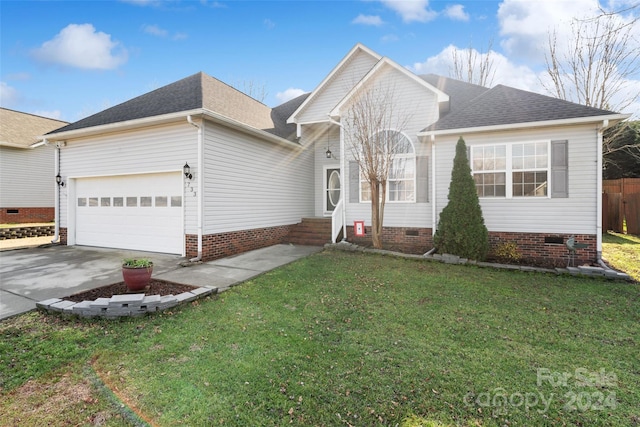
(156, 287)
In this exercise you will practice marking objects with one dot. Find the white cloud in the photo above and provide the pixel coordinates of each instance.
(9, 96)
(269, 24)
(82, 46)
(374, 20)
(456, 12)
(155, 30)
(411, 10)
(506, 72)
(525, 26)
(289, 94)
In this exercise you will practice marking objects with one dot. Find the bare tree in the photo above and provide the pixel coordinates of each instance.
(473, 67)
(257, 91)
(600, 60)
(601, 57)
(373, 129)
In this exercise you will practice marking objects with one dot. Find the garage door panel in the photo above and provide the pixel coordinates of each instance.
(140, 212)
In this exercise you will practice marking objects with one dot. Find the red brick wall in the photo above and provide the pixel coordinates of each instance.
(26, 215)
(63, 236)
(412, 240)
(222, 245)
(535, 251)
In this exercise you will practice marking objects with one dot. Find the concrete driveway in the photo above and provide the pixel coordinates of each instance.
(35, 274)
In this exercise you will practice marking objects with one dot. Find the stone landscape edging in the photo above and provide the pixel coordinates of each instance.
(582, 270)
(125, 305)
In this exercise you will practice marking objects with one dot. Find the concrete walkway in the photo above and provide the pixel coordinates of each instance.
(35, 274)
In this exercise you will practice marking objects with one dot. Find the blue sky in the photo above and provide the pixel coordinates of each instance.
(71, 59)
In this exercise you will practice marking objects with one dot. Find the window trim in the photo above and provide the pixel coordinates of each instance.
(411, 156)
(509, 169)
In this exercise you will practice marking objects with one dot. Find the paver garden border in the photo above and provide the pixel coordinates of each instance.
(125, 305)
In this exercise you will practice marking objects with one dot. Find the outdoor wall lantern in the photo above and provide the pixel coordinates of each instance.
(59, 180)
(187, 171)
(328, 152)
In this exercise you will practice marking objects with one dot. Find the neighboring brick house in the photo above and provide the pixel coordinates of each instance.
(27, 176)
(256, 172)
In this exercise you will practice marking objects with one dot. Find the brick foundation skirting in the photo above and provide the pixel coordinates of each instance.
(222, 245)
(62, 233)
(17, 215)
(531, 246)
(411, 240)
(534, 250)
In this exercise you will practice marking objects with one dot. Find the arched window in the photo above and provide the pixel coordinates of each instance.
(401, 183)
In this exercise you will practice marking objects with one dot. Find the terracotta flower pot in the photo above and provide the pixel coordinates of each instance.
(136, 278)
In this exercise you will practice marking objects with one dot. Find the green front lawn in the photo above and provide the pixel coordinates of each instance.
(622, 252)
(349, 339)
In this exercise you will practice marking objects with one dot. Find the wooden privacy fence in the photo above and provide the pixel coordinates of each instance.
(621, 202)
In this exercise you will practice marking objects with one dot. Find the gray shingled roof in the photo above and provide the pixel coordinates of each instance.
(504, 105)
(460, 93)
(469, 106)
(194, 92)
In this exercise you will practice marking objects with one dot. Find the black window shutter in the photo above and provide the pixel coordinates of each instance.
(354, 182)
(422, 179)
(559, 169)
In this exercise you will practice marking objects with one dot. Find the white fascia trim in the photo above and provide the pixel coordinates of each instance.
(168, 118)
(441, 96)
(613, 119)
(358, 46)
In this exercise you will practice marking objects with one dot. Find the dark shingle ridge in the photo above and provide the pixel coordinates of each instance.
(504, 105)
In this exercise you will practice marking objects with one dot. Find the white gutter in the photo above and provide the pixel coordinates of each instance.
(199, 193)
(579, 120)
(168, 118)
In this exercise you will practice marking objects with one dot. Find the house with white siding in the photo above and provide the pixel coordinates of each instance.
(200, 169)
(27, 185)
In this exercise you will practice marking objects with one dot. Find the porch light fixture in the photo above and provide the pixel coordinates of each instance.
(59, 180)
(328, 152)
(187, 171)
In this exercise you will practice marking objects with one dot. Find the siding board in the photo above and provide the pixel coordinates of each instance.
(575, 214)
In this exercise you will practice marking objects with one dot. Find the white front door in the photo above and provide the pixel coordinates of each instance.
(138, 212)
(331, 189)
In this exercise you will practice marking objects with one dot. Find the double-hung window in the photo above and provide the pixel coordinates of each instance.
(401, 182)
(511, 170)
(530, 163)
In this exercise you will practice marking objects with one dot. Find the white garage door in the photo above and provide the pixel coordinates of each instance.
(140, 212)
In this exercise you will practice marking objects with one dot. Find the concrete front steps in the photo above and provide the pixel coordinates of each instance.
(311, 232)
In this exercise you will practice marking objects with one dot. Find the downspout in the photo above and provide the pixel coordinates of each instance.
(605, 124)
(200, 177)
